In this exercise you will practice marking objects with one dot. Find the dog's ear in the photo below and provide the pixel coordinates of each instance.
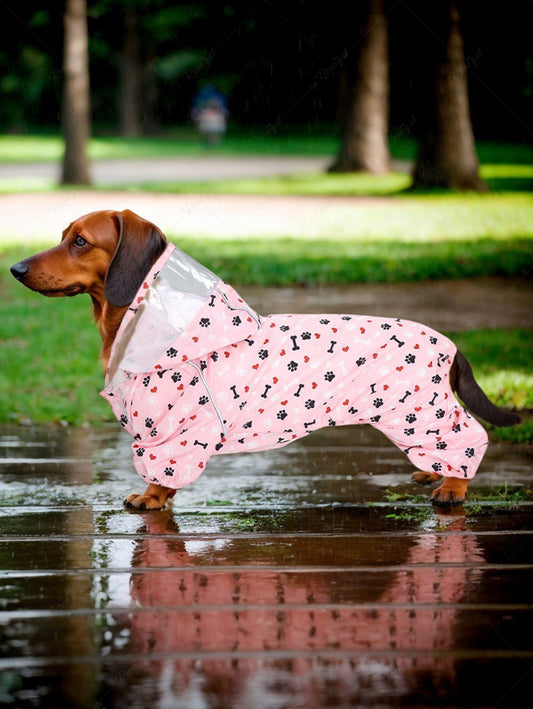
(140, 243)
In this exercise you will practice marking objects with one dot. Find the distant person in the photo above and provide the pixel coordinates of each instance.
(210, 114)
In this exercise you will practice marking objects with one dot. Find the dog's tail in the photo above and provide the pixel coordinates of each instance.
(474, 398)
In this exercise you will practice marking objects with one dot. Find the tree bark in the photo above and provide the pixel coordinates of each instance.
(447, 152)
(130, 77)
(150, 124)
(364, 99)
(76, 99)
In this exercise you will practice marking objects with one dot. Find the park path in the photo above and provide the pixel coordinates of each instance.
(42, 216)
(194, 168)
(175, 169)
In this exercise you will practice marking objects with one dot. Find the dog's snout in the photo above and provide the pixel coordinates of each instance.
(20, 270)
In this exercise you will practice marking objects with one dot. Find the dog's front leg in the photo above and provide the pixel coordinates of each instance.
(153, 498)
(451, 492)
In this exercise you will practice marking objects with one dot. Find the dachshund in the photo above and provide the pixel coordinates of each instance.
(108, 254)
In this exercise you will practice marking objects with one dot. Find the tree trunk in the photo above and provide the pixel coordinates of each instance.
(76, 100)
(364, 99)
(149, 95)
(447, 152)
(130, 77)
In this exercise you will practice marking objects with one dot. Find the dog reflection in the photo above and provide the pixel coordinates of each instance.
(203, 625)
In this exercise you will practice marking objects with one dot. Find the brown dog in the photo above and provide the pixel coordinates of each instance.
(107, 254)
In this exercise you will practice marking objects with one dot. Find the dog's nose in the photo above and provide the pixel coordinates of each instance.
(19, 270)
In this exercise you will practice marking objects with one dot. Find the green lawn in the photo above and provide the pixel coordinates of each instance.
(183, 140)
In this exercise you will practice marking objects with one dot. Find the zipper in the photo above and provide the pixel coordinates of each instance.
(253, 315)
(201, 374)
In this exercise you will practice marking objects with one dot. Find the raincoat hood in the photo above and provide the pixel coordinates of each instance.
(167, 322)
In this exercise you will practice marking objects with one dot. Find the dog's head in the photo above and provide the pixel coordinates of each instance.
(106, 254)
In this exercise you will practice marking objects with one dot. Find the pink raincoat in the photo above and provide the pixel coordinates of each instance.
(195, 372)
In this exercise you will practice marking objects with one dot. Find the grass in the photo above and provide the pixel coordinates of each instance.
(317, 141)
(504, 177)
(183, 141)
(510, 495)
(293, 262)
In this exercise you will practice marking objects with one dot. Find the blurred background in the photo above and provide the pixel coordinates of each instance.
(376, 76)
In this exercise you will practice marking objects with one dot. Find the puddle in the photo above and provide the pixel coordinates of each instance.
(285, 578)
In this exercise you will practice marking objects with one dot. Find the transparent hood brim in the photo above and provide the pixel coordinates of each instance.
(169, 305)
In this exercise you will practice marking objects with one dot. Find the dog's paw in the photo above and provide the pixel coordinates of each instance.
(425, 478)
(452, 492)
(143, 502)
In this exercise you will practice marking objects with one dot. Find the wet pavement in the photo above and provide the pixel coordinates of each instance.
(303, 577)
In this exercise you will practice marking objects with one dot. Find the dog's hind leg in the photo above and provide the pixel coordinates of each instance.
(451, 492)
(425, 478)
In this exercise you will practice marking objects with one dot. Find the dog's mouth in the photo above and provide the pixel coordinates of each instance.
(67, 291)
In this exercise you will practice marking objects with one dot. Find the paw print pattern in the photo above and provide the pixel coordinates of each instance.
(123, 420)
(352, 379)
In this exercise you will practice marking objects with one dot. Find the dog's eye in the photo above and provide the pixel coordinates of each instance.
(79, 241)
